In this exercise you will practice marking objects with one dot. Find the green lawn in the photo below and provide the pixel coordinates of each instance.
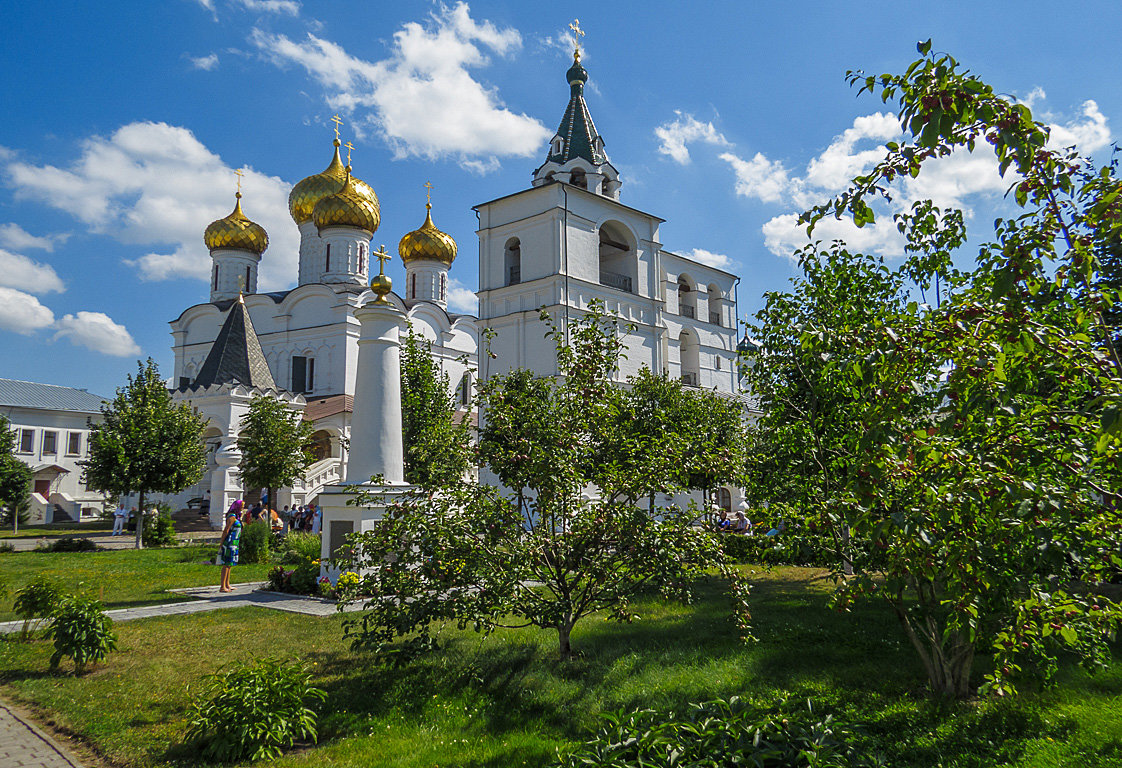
(59, 529)
(505, 701)
(119, 578)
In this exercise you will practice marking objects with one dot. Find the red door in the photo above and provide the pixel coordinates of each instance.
(43, 488)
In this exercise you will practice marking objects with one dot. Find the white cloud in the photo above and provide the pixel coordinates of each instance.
(156, 185)
(422, 99)
(208, 62)
(16, 237)
(960, 180)
(18, 271)
(289, 7)
(718, 260)
(22, 313)
(96, 331)
(759, 177)
(685, 129)
(562, 43)
(462, 299)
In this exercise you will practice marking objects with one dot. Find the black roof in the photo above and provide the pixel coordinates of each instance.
(236, 355)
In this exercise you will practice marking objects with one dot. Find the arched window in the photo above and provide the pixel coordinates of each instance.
(687, 307)
(361, 257)
(715, 305)
(463, 391)
(327, 262)
(558, 145)
(215, 278)
(512, 261)
(577, 179)
(618, 259)
(413, 286)
(724, 500)
(443, 287)
(690, 357)
(248, 287)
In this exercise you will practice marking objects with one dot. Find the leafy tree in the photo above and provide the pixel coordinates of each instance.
(145, 443)
(541, 554)
(985, 478)
(15, 476)
(436, 448)
(273, 444)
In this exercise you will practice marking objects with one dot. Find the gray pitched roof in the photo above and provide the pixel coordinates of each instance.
(28, 394)
(577, 130)
(236, 354)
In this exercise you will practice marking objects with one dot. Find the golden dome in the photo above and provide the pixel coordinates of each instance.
(347, 207)
(304, 196)
(236, 231)
(428, 242)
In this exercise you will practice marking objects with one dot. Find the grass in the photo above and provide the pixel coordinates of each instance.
(59, 529)
(506, 701)
(119, 578)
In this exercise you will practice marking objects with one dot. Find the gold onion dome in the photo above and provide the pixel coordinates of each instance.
(304, 196)
(347, 207)
(236, 231)
(428, 242)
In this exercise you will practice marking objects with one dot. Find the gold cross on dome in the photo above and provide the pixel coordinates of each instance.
(428, 192)
(338, 121)
(382, 258)
(350, 148)
(239, 173)
(578, 33)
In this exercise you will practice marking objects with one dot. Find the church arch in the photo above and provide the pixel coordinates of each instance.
(618, 257)
(321, 446)
(716, 305)
(689, 353)
(512, 261)
(687, 292)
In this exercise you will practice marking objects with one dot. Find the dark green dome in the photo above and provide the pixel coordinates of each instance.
(576, 73)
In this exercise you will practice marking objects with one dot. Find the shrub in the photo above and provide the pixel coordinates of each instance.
(36, 599)
(305, 578)
(278, 578)
(721, 733)
(82, 631)
(298, 546)
(347, 584)
(71, 545)
(7, 546)
(255, 543)
(254, 710)
(325, 588)
(159, 531)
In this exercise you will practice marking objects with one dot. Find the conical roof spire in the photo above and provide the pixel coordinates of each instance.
(236, 355)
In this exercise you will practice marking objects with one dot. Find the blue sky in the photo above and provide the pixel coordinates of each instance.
(123, 123)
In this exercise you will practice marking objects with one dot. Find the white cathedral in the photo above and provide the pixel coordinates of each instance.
(561, 244)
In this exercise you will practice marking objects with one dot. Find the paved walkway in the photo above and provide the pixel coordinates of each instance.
(23, 745)
(210, 599)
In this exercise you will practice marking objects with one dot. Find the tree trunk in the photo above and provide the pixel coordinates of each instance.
(846, 550)
(140, 523)
(565, 650)
(948, 665)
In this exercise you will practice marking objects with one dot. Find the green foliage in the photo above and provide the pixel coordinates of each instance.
(972, 447)
(273, 443)
(70, 545)
(35, 600)
(81, 631)
(721, 733)
(548, 556)
(436, 448)
(254, 710)
(254, 547)
(159, 531)
(299, 546)
(15, 477)
(144, 442)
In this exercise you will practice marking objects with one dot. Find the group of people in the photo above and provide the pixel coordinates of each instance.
(738, 525)
(304, 517)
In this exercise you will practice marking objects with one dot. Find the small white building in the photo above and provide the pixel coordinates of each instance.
(51, 426)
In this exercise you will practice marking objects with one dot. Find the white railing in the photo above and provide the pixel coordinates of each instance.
(688, 310)
(689, 378)
(323, 473)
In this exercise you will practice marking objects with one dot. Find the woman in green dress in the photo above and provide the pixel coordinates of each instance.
(231, 537)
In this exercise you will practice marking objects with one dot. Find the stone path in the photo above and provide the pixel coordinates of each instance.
(210, 599)
(22, 745)
(108, 541)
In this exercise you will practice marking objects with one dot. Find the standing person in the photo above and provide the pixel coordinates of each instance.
(286, 519)
(119, 515)
(231, 538)
(317, 518)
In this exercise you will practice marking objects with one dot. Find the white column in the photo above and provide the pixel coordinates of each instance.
(376, 447)
(225, 486)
